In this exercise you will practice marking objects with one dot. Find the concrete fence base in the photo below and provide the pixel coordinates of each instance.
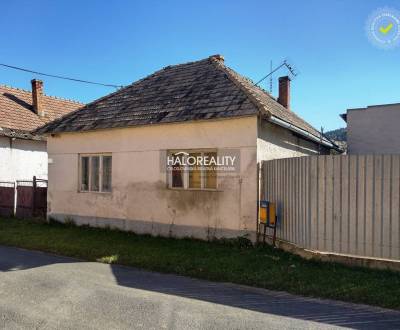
(345, 259)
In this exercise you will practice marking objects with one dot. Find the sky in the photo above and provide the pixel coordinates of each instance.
(119, 42)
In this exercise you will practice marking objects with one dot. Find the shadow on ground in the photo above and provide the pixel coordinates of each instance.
(259, 300)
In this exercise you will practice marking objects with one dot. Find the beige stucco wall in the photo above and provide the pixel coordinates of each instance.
(140, 200)
(275, 142)
(374, 130)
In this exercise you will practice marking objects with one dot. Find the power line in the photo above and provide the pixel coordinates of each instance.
(60, 77)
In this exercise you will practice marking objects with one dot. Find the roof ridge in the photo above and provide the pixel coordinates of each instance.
(49, 96)
(253, 98)
(186, 63)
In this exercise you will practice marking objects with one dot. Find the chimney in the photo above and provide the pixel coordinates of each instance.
(37, 93)
(217, 57)
(284, 92)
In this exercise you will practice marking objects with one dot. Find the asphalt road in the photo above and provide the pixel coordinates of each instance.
(43, 291)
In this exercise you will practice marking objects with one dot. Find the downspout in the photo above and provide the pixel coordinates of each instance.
(11, 139)
(258, 179)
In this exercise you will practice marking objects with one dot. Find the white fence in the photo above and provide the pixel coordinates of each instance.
(341, 204)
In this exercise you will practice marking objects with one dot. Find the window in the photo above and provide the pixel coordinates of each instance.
(95, 173)
(177, 174)
(210, 175)
(106, 174)
(186, 170)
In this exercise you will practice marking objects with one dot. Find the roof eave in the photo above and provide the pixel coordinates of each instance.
(44, 131)
(320, 140)
(21, 135)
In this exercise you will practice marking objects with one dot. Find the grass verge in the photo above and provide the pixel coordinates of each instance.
(230, 261)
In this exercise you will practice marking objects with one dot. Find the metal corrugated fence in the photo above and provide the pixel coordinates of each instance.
(343, 204)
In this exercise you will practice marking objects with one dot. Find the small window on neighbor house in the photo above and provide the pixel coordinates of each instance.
(95, 173)
(191, 176)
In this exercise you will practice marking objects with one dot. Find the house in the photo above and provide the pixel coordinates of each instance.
(373, 130)
(23, 154)
(113, 162)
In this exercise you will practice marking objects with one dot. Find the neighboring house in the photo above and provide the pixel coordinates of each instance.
(23, 154)
(373, 130)
(108, 164)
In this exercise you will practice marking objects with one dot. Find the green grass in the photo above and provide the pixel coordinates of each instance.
(263, 267)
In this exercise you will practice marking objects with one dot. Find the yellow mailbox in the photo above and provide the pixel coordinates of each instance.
(268, 213)
(268, 218)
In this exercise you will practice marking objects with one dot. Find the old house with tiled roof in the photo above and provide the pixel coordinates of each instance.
(22, 153)
(175, 153)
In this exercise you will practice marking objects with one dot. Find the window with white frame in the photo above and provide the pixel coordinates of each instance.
(191, 176)
(95, 172)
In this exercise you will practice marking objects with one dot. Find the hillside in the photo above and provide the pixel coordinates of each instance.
(339, 134)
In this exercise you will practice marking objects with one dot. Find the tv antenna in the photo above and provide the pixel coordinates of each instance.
(270, 77)
(286, 64)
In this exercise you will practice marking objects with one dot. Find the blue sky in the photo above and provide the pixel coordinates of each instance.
(122, 41)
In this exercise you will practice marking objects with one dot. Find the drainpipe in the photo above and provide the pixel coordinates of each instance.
(258, 177)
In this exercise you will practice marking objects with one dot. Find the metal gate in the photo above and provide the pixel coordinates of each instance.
(31, 198)
(7, 199)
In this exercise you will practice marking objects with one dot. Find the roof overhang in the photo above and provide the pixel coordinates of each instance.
(20, 134)
(322, 140)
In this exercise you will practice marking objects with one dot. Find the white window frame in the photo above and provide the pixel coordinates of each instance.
(100, 155)
(186, 171)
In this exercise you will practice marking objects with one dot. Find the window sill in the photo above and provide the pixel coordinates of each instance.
(195, 189)
(95, 192)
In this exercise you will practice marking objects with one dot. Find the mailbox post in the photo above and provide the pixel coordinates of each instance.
(268, 218)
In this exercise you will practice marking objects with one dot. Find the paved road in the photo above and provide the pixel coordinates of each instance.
(43, 291)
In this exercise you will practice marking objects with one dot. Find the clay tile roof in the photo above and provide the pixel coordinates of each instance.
(17, 118)
(198, 90)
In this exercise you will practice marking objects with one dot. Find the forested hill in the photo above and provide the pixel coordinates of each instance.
(337, 134)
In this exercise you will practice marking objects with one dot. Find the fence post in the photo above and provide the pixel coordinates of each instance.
(34, 196)
(260, 194)
(15, 198)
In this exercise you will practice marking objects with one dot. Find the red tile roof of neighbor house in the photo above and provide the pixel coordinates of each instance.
(205, 89)
(18, 117)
